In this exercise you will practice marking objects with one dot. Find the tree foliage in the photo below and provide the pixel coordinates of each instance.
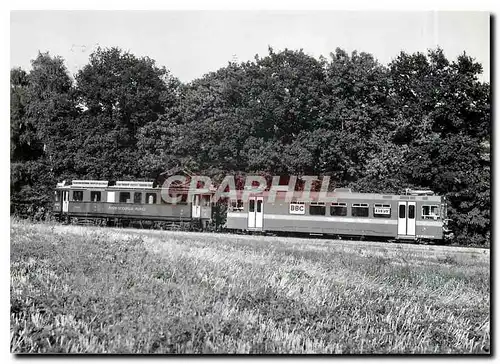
(421, 121)
(119, 94)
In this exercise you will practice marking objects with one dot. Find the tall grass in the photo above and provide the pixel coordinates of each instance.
(96, 290)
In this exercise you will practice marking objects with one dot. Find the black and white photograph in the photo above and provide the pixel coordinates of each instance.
(250, 182)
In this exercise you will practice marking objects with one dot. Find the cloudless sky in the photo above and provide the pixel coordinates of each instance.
(192, 43)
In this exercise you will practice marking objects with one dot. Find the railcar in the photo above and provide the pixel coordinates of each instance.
(124, 201)
(415, 215)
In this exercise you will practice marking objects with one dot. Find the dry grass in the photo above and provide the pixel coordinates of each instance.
(96, 290)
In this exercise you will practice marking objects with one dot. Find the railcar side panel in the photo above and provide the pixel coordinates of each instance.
(237, 220)
(429, 229)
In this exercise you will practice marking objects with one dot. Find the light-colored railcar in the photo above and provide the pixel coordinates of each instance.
(416, 215)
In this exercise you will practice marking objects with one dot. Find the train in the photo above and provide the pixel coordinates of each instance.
(415, 215)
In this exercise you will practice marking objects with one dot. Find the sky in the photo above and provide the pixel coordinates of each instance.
(193, 43)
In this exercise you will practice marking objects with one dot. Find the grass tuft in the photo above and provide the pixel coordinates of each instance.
(95, 290)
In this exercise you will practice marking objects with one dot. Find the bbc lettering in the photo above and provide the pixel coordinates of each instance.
(297, 209)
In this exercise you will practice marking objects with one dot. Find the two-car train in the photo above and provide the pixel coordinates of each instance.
(414, 215)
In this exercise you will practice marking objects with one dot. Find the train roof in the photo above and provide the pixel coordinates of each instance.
(298, 196)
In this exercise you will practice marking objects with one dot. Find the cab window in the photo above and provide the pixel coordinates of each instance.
(151, 198)
(77, 195)
(95, 196)
(430, 212)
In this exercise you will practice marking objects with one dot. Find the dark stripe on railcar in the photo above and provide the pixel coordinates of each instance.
(153, 211)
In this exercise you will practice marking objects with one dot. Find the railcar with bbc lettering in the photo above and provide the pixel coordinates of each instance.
(417, 215)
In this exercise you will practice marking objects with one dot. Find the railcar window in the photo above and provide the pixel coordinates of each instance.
(124, 197)
(259, 206)
(338, 209)
(236, 205)
(56, 195)
(137, 197)
(317, 208)
(205, 202)
(402, 211)
(251, 206)
(411, 212)
(151, 198)
(381, 210)
(430, 212)
(182, 200)
(77, 195)
(360, 209)
(95, 196)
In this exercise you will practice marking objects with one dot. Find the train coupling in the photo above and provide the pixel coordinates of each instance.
(447, 232)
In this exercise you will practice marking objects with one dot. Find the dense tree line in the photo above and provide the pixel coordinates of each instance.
(420, 122)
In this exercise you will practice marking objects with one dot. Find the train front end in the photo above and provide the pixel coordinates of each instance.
(447, 232)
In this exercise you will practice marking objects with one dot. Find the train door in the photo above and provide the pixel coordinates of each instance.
(205, 207)
(410, 227)
(251, 212)
(406, 218)
(402, 218)
(58, 201)
(259, 213)
(256, 212)
(196, 208)
(65, 203)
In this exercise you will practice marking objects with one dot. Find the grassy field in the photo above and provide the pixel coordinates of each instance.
(96, 290)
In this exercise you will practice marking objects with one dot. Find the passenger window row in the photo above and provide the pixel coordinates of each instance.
(379, 210)
(357, 209)
(124, 197)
